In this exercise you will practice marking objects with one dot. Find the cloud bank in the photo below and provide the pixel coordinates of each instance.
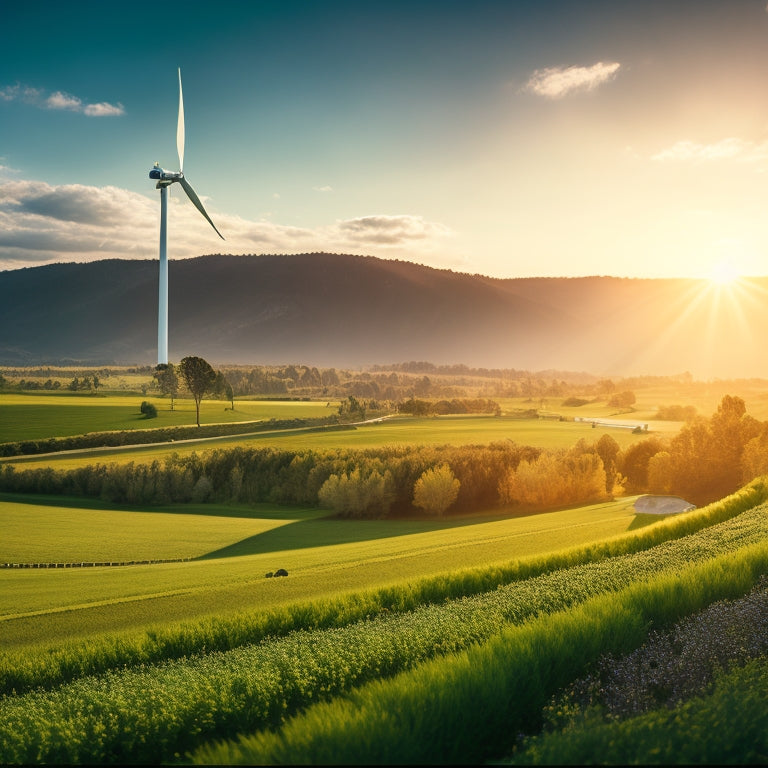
(556, 82)
(41, 223)
(59, 100)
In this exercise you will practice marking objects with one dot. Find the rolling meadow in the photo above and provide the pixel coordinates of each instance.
(144, 617)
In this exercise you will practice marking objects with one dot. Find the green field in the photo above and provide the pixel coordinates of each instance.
(35, 416)
(441, 430)
(457, 663)
(235, 547)
(398, 640)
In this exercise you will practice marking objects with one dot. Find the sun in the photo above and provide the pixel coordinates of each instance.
(724, 273)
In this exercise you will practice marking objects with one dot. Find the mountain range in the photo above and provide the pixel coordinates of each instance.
(351, 311)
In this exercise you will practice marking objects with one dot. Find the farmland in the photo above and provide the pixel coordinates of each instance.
(324, 557)
(408, 638)
(159, 718)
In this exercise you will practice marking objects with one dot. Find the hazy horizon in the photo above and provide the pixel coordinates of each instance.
(505, 139)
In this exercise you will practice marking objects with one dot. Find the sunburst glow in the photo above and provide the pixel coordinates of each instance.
(724, 273)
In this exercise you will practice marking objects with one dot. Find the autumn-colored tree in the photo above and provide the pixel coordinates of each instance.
(436, 490)
(608, 450)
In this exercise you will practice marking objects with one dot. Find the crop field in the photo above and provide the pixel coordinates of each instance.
(33, 416)
(443, 668)
(441, 430)
(413, 640)
(234, 548)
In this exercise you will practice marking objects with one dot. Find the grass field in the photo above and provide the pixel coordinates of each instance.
(458, 630)
(450, 678)
(442, 430)
(34, 416)
(236, 548)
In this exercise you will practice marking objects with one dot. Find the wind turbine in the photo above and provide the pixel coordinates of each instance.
(164, 180)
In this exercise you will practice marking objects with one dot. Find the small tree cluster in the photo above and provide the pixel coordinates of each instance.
(356, 494)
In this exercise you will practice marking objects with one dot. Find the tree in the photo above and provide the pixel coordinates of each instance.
(436, 490)
(199, 377)
(358, 494)
(168, 380)
(623, 399)
(223, 387)
(608, 450)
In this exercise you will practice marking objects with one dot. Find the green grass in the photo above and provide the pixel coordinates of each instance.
(144, 712)
(468, 707)
(443, 430)
(31, 417)
(324, 557)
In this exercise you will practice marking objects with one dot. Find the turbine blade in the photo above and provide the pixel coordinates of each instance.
(196, 202)
(180, 128)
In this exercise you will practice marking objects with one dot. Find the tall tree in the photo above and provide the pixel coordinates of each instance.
(199, 377)
(168, 380)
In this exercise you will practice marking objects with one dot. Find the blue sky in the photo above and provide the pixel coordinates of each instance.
(502, 138)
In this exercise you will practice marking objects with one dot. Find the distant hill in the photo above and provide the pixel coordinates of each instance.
(350, 311)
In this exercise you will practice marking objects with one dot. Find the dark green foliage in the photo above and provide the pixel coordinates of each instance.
(149, 410)
(199, 377)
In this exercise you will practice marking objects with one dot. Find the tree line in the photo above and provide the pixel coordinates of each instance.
(707, 460)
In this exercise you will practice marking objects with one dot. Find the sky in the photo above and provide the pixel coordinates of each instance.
(504, 138)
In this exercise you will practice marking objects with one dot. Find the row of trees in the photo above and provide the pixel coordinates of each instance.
(708, 459)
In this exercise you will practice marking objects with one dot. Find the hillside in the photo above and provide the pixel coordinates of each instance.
(330, 309)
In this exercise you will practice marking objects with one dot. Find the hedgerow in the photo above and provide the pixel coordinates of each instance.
(158, 435)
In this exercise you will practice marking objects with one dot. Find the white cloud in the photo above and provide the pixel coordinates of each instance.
(323, 189)
(555, 82)
(726, 149)
(103, 109)
(41, 223)
(59, 100)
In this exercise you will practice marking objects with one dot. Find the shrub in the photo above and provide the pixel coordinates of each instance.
(149, 410)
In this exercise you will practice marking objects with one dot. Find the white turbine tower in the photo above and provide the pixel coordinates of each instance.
(164, 180)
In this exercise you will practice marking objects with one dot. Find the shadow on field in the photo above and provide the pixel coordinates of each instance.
(325, 531)
(643, 521)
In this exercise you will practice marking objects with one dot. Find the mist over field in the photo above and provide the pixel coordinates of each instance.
(344, 310)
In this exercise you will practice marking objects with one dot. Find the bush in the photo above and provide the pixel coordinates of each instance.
(149, 410)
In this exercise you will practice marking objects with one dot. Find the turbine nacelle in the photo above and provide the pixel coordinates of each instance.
(163, 177)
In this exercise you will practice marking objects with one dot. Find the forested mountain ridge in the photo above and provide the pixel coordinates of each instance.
(343, 310)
